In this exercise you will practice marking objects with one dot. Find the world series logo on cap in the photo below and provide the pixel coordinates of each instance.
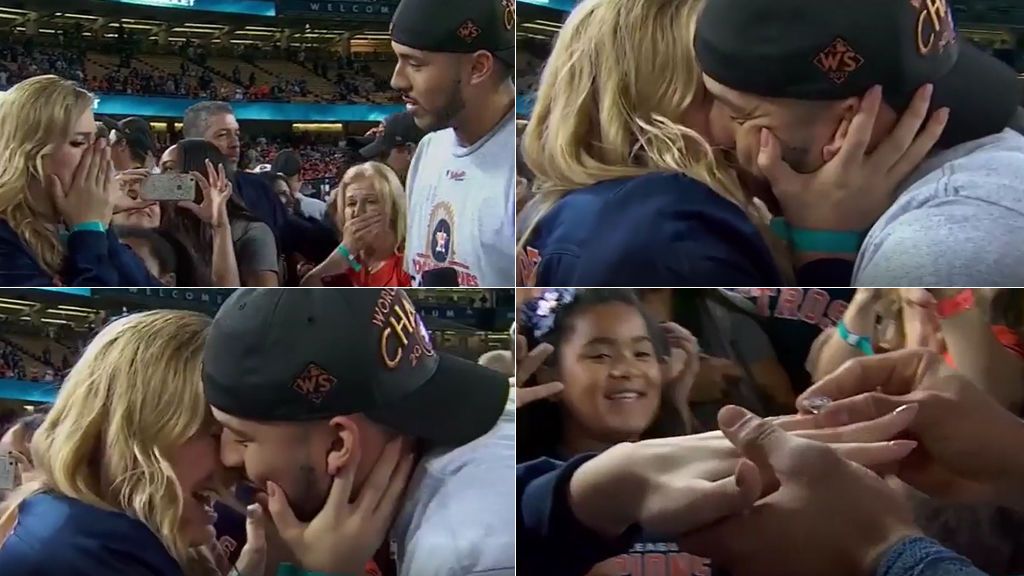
(314, 383)
(839, 60)
(469, 31)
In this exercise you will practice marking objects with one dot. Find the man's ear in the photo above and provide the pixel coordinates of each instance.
(169, 279)
(484, 65)
(847, 109)
(344, 444)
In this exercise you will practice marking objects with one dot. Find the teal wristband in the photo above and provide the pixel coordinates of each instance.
(89, 226)
(348, 256)
(861, 342)
(287, 569)
(823, 241)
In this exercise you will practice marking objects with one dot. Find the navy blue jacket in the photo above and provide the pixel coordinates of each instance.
(91, 259)
(59, 536)
(294, 234)
(656, 230)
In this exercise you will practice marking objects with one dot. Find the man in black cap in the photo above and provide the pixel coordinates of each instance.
(396, 144)
(792, 85)
(288, 163)
(455, 63)
(310, 383)
(131, 143)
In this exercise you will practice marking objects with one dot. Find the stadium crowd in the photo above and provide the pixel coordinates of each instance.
(113, 207)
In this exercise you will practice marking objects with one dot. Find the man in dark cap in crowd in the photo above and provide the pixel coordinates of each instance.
(131, 143)
(455, 65)
(288, 163)
(855, 68)
(396, 144)
(313, 384)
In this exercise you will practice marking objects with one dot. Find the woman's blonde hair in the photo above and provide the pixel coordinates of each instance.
(392, 194)
(134, 397)
(610, 105)
(34, 115)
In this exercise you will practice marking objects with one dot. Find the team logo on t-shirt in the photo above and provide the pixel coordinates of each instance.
(441, 224)
(439, 249)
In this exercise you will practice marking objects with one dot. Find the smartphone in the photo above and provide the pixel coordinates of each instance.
(169, 187)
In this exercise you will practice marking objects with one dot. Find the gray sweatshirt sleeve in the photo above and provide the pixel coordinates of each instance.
(955, 242)
(920, 556)
(959, 222)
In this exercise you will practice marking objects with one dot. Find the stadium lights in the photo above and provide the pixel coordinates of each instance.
(184, 29)
(542, 27)
(21, 302)
(214, 26)
(54, 321)
(135, 26)
(261, 28)
(80, 16)
(69, 313)
(77, 309)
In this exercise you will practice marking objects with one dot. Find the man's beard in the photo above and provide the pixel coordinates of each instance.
(230, 167)
(799, 158)
(445, 116)
(305, 503)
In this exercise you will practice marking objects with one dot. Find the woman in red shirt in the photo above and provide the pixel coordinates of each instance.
(370, 208)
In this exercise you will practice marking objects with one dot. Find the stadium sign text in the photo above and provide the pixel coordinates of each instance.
(353, 9)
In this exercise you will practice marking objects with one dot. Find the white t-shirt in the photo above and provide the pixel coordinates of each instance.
(457, 518)
(462, 207)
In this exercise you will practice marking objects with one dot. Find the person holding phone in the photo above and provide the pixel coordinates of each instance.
(218, 241)
(57, 192)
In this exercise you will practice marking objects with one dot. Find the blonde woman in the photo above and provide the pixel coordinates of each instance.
(127, 463)
(372, 201)
(630, 191)
(57, 189)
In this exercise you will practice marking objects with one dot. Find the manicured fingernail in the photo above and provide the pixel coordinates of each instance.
(765, 139)
(906, 446)
(944, 115)
(271, 489)
(906, 409)
(816, 404)
(929, 89)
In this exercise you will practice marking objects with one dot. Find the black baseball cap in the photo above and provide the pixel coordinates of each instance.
(460, 26)
(287, 162)
(835, 49)
(293, 355)
(134, 131)
(399, 129)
